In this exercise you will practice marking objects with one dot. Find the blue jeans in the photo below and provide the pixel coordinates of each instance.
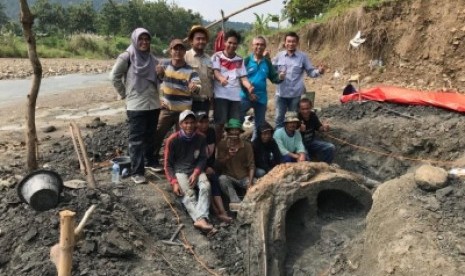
(259, 111)
(324, 151)
(282, 106)
(142, 126)
(288, 159)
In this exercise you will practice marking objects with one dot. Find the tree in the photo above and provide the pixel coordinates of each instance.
(3, 17)
(298, 10)
(260, 26)
(81, 18)
(51, 18)
(109, 19)
(27, 20)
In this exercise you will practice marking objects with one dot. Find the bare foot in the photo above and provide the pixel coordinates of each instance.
(225, 218)
(203, 225)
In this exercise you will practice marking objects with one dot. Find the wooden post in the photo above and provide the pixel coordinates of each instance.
(27, 20)
(66, 242)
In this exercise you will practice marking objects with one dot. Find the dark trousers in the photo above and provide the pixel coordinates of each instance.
(168, 119)
(201, 106)
(142, 126)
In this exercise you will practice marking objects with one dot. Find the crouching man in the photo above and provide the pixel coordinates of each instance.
(235, 162)
(185, 160)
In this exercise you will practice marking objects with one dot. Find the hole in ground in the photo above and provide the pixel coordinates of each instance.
(313, 241)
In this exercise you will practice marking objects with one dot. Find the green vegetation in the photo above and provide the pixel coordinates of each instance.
(299, 12)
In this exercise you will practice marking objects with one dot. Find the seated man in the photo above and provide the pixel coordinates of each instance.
(265, 150)
(185, 159)
(324, 151)
(289, 139)
(204, 128)
(235, 162)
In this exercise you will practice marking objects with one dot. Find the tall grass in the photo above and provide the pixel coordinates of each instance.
(76, 46)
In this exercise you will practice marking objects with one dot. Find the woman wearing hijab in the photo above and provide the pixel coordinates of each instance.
(135, 79)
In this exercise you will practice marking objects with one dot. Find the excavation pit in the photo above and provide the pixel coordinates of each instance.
(298, 213)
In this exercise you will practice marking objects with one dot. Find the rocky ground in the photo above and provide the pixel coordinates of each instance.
(11, 68)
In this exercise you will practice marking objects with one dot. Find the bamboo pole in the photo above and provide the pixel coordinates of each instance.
(66, 242)
(76, 148)
(90, 175)
(84, 220)
(225, 18)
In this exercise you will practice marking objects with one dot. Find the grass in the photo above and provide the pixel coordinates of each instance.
(73, 46)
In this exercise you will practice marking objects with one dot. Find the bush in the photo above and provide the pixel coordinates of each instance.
(81, 43)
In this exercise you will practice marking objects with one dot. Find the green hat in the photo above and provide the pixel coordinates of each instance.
(234, 124)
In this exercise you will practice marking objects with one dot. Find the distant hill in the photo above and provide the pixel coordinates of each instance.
(238, 26)
(12, 6)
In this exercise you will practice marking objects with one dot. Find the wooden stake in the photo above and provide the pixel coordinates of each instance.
(76, 148)
(90, 175)
(84, 220)
(66, 243)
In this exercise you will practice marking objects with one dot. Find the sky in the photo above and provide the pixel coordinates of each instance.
(210, 9)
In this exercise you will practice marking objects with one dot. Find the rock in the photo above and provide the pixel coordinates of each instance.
(75, 184)
(96, 123)
(441, 194)
(48, 129)
(429, 178)
(7, 183)
(30, 235)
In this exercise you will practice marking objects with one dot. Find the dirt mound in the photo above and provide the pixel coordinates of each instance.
(382, 141)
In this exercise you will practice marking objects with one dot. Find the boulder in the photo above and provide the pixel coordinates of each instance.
(430, 178)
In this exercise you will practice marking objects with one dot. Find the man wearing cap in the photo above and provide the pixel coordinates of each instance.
(289, 139)
(185, 160)
(259, 69)
(324, 151)
(265, 150)
(180, 82)
(203, 127)
(294, 64)
(235, 161)
(201, 63)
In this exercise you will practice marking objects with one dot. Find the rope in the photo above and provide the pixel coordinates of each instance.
(184, 240)
(392, 155)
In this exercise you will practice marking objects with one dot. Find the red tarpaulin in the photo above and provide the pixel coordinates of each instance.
(392, 94)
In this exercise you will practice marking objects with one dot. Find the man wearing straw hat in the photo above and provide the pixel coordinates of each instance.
(289, 140)
(196, 57)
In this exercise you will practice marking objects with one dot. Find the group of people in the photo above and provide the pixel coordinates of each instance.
(201, 162)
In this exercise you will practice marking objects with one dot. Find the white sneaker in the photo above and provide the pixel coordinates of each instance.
(138, 179)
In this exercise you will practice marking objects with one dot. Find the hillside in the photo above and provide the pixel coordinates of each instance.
(420, 44)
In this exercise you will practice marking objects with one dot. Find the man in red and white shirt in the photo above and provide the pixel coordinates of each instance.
(229, 73)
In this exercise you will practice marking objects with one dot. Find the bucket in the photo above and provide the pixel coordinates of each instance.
(124, 162)
(41, 189)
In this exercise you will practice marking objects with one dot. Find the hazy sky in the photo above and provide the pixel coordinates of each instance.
(210, 9)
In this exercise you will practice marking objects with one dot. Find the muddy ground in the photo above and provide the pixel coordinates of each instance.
(408, 231)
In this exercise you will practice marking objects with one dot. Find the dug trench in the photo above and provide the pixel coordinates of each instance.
(304, 219)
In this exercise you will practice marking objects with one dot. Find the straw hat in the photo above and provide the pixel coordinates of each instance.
(197, 28)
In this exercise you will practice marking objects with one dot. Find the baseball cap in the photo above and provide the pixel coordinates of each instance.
(201, 115)
(185, 114)
(176, 42)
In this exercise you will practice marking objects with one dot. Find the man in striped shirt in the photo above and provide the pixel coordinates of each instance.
(180, 82)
